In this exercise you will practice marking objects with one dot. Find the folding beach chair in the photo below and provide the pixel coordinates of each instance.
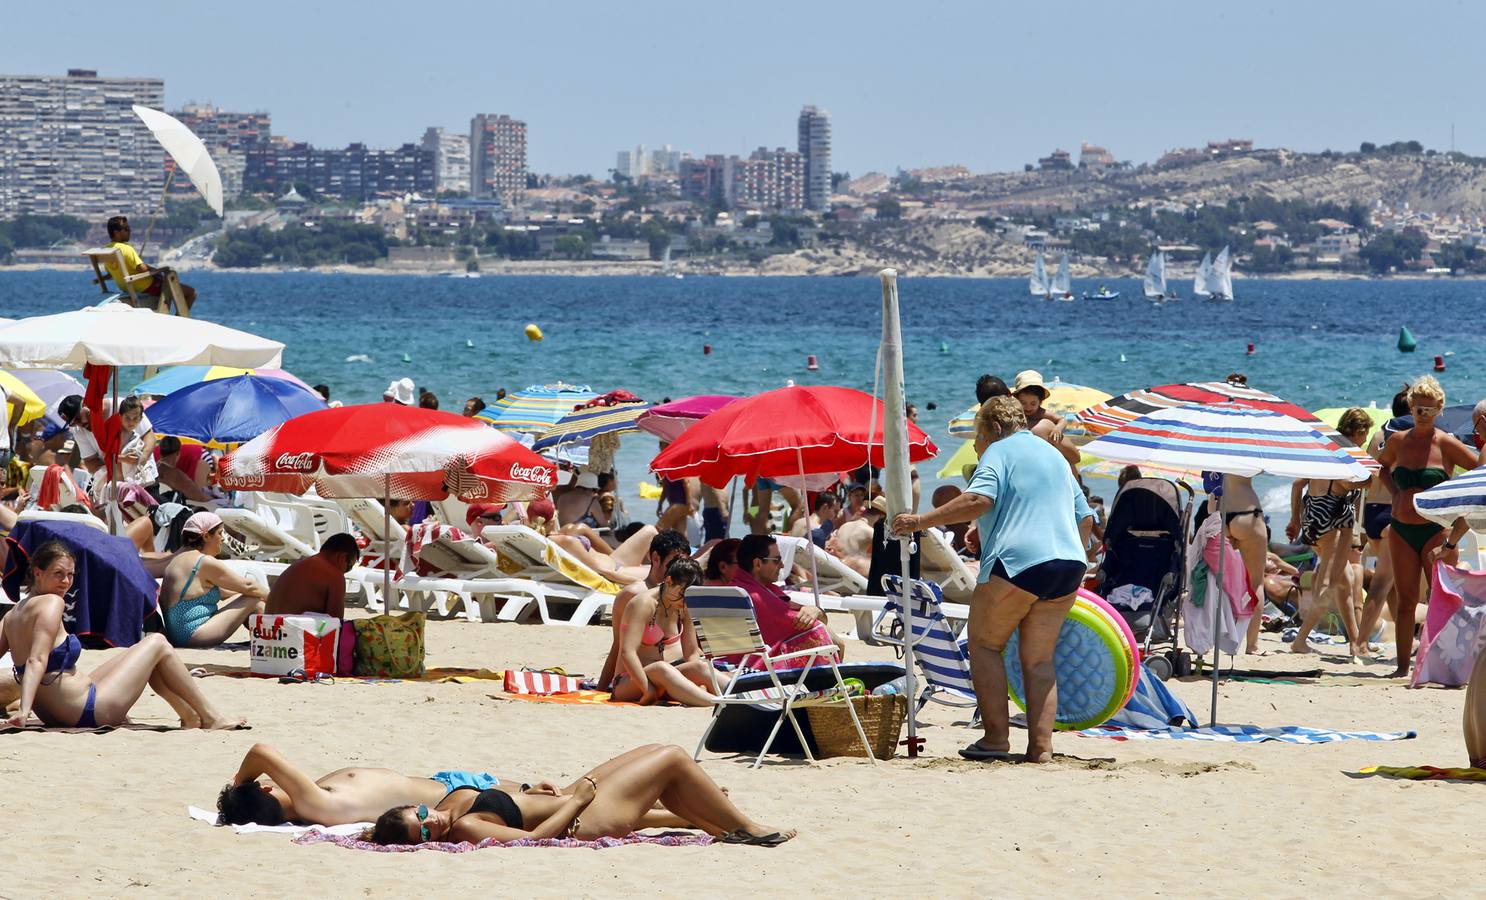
(940, 653)
(726, 625)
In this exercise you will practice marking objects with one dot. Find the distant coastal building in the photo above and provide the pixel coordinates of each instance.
(640, 163)
(70, 144)
(815, 147)
(767, 179)
(1094, 157)
(1058, 160)
(451, 159)
(355, 173)
(498, 158)
(1213, 150)
(707, 180)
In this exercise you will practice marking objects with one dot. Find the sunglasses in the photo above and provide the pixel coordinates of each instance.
(423, 817)
(1426, 410)
(778, 559)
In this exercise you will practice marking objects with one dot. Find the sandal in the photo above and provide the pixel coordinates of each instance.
(739, 836)
(982, 754)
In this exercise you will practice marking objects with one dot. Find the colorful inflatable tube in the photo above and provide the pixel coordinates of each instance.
(1096, 661)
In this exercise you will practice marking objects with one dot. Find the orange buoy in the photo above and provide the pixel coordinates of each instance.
(1439, 364)
(811, 364)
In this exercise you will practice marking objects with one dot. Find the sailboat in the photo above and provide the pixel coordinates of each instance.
(1155, 279)
(1204, 275)
(1062, 287)
(1037, 284)
(1220, 279)
(665, 265)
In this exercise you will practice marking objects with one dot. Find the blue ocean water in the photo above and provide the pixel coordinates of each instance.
(1318, 343)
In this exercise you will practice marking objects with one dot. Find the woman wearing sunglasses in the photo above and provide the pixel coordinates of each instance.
(612, 805)
(1414, 460)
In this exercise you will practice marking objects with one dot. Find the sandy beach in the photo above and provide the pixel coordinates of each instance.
(105, 815)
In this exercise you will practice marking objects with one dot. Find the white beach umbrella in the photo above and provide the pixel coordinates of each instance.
(1464, 495)
(189, 153)
(115, 334)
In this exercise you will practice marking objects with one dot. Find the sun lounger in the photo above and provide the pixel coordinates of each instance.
(833, 575)
(40, 515)
(271, 541)
(939, 651)
(524, 553)
(943, 566)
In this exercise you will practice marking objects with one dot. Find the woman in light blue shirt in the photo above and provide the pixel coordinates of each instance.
(1027, 506)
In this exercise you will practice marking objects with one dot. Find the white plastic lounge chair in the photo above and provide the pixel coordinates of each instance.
(726, 625)
(526, 554)
(938, 651)
(943, 566)
(41, 515)
(273, 543)
(835, 576)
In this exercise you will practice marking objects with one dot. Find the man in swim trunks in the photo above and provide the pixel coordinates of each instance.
(316, 584)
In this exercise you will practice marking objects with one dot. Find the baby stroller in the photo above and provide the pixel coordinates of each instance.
(1144, 570)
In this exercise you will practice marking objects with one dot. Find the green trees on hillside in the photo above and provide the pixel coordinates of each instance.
(1390, 250)
(332, 243)
(38, 231)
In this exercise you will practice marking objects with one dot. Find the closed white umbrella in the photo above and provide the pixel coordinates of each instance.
(115, 334)
(189, 153)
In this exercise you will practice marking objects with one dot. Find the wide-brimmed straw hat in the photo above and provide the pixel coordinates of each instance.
(1030, 380)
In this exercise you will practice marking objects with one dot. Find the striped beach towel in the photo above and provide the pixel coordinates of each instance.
(539, 683)
(1244, 734)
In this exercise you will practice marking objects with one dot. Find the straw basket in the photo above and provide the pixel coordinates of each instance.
(882, 720)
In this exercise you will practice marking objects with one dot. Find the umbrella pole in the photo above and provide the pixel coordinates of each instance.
(905, 551)
(810, 541)
(112, 462)
(1216, 597)
(386, 540)
(169, 177)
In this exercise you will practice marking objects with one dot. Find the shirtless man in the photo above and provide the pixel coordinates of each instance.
(852, 541)
(316, 584)
(665, 548)
(357, 794)
(1032, 393)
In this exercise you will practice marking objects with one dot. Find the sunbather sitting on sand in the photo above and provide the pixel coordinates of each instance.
(612, 804)
(658, 652)
(665, 548)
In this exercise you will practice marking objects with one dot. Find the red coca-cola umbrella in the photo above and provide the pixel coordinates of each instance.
(791, 431)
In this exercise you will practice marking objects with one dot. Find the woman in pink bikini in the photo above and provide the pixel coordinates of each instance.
(659, 657)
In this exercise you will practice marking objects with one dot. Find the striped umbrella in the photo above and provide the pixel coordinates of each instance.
(535, 409)
(1463, 495)
(584, 425)
(51, 386)
(170, 380)
(32, 406)
(1063, 400)
(1121, 410)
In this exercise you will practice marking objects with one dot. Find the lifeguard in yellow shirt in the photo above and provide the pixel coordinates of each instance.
(118, 236)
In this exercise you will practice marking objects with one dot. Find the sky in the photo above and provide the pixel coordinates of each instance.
(987, 85)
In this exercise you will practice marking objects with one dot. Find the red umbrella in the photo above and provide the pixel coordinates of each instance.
(384, 449)
(787, 432)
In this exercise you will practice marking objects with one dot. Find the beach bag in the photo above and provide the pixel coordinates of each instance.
(539, 684)
(389, 646)
(345, 651)
(283, 644)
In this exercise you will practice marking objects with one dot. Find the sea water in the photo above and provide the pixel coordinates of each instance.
(1316, 343)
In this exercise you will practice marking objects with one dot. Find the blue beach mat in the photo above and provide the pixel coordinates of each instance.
(1245, 734)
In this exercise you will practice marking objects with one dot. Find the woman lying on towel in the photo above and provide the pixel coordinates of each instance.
(659, 657)
(613, 805)
(50, 684)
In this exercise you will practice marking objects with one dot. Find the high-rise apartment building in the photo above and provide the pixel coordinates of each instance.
(70, 144)
(355, 173)
(451, 159)
(771, 179)
(640, 162)
(815, 146)
(229, 136)
(498, 158)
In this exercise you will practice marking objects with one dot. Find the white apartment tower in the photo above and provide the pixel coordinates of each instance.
(498, 158)
(451, 159)
(815, 146)
(70, 144)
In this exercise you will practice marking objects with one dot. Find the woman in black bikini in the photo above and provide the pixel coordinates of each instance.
(616, 806)
(1415, 460)
(1246, 529)
(46, 667)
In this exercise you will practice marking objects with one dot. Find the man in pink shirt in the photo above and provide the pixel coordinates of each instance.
(779, 617)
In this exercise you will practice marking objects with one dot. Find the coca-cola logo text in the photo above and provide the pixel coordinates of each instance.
(532, 474)
(296, 462)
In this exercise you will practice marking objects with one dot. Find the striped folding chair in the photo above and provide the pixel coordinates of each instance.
(726, 625)
(939, 653)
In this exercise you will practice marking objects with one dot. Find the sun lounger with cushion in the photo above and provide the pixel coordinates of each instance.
(526, 554)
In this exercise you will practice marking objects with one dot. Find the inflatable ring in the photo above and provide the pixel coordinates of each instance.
(1094, 661)
(1113, 615)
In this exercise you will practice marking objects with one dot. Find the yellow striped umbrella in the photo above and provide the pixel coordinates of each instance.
(586, 424)
(1063, 400)
(535, 409)
(35, 407)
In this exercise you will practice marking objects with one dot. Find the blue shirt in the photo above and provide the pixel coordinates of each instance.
(1037, 505)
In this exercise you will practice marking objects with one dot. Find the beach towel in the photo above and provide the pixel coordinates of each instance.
(1454, 629)
(111, 594)
(1244, 734)
(668, 839)
(438, 675)
(1153, 705)
(210, 818)
(1421, 773)
(100, 729)
(540, 683)
(420, 536)
(581, 697)
(1202, 575)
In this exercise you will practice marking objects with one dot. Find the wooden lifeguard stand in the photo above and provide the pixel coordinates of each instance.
(171, 299)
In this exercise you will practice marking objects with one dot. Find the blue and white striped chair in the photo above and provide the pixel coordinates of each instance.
(726, 625)
(939, 653)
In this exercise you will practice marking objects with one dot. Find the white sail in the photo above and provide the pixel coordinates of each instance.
(1062, 284)
(1204, 275)
(1155, 276)
(1220, 282)
(1038, 282)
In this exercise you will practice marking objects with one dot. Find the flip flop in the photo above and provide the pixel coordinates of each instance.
(772, 839)
(980, 754)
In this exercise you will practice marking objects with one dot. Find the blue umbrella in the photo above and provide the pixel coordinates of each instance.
(231, 410)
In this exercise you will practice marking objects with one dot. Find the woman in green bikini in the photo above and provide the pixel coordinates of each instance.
(1415, 460)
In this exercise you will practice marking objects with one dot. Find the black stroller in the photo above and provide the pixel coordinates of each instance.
(1145, 546)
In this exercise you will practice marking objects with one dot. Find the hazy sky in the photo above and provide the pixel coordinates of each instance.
(987, 85)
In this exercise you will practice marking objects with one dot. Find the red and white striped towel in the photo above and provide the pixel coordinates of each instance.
(539, 683)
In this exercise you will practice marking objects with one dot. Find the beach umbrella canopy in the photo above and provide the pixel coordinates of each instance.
(51, 386)
(1064, 400)
(1463, 495)
(590, 422)
(114, 334)
(231, 410)
(32, 406)
(667, 420)
(779, 433)
(1111, 414)
(384, 449)
(188, 151)
(1332, 414)
(537, 408)
(173, 378)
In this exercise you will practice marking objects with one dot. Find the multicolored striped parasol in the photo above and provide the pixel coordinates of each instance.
(537, 408)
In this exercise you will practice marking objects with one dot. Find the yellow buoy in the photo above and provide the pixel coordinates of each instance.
(533, 333)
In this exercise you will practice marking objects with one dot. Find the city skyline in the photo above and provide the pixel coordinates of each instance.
(988, 89)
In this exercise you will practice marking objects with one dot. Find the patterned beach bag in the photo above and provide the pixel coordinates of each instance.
(389, 646)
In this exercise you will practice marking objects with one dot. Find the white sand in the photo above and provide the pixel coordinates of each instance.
(105, 815)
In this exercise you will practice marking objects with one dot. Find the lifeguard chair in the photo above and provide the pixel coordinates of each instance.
(171, 299)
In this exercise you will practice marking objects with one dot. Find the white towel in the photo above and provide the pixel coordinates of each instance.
(351, 830)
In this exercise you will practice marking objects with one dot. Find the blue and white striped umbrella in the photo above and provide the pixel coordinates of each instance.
(1463, 495)
(1228, 438)
(582, 426)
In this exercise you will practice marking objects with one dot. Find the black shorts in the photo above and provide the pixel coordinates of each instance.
(1051, 580)
(1376, 517)
(714, 526)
